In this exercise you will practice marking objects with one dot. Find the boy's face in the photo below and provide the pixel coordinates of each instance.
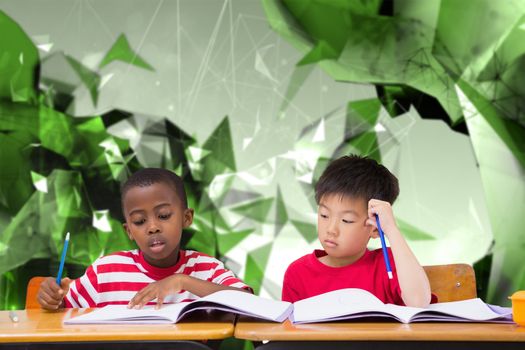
(155, 217)
(342, 229)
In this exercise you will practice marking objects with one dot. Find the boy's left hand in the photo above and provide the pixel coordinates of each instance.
(386, 216)
(160, 290)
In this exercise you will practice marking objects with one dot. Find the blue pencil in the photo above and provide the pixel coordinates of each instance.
(383, 245)
(62, 259)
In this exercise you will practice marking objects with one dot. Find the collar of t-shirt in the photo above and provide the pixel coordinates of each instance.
(162, 272)
(317, 265)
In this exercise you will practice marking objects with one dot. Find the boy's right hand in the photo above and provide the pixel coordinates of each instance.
(50, 295)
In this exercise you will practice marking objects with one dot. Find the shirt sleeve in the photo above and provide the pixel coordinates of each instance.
(221, 275)
(289, 292)
(83, 292)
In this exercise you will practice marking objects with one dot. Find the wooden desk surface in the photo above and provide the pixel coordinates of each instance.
(250, 329)
(37, 325)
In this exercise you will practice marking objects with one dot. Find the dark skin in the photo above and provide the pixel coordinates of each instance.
(50, 295)
(155, 218)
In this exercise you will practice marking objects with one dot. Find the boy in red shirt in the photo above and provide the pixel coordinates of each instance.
(155, 208)
(350, 192)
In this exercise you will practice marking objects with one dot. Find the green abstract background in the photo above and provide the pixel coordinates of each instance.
(248, 101)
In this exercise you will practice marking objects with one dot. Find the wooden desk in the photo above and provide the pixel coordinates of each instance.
(383, 334)
(39, 326)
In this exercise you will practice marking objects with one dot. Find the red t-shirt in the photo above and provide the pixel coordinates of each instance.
(307, 277)
(116, 278)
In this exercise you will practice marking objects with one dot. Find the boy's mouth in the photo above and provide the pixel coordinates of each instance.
(330, 243)
(156, 244)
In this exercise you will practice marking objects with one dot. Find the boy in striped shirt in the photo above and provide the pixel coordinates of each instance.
(155, 209)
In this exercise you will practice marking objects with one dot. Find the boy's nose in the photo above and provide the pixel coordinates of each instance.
(153, 228)
(332, 228)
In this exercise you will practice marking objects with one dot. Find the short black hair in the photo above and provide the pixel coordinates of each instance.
(149, 176)
(356, 177)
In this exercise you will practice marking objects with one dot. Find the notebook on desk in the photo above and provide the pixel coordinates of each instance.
(227, 300)
(344, 304)
(351, 303)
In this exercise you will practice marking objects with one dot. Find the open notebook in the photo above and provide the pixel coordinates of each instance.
(351, 303)
(341, 304)
(226, 300)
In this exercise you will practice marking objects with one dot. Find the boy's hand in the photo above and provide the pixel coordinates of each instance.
(160, 290)
(386, 217)
(50, 295)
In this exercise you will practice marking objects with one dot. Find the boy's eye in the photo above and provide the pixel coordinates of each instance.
(139, 222)
(347, 221)
(164, 216)
(324, 216)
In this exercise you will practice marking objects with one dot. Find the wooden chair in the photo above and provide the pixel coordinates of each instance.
(32, 291)
(452, 282)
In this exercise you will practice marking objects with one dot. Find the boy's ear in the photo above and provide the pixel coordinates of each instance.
(127, 231)
(373, 232)
(188, 217)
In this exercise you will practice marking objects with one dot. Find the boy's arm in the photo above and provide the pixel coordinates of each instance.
(202, 288)
(173, 284)
(413, 281)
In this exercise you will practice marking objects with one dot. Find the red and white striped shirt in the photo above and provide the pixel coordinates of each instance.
(116, 278)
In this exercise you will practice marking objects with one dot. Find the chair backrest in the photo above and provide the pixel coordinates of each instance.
(32, 290)
(452, 282)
